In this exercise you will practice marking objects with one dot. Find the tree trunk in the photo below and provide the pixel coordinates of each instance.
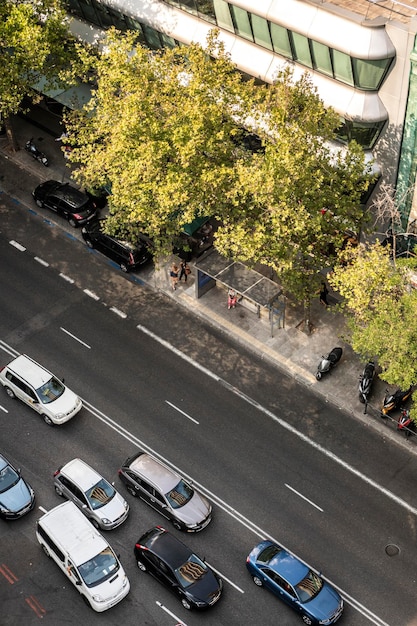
(8, 122)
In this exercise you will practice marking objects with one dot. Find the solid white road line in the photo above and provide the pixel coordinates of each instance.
(67, 332)
(182, 412)
(303, 497)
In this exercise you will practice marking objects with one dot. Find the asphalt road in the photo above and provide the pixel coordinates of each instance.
(275, 460)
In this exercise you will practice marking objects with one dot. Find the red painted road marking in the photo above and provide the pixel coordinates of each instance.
(8, 574)
(35, 606)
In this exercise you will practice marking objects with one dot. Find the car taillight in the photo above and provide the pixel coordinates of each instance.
(56, 473)
(140, 547)
(2, 368)
(77, 216)
(131, 259)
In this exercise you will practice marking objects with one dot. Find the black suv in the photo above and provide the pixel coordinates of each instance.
(65, 200)
(127, 255)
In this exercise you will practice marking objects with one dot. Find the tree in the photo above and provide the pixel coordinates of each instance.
(35, 45)
(381, 308)
(165, 132)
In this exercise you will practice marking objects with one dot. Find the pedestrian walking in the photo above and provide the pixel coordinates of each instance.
(174, 276)
(323, 294)
(185, 270)
(231, 299)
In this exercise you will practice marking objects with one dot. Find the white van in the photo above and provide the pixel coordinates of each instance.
(32, 383)
(84, 556)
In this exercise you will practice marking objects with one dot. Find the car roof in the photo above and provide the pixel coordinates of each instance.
(151, 469)
(166, 546)
(31, 371)
(288, 566)
(81, 473)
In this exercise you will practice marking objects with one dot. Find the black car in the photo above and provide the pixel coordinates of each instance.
(174, 565)
(127, 255)
(66, 201)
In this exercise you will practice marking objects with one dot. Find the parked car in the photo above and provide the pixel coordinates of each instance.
(295, 583)
(166, 492)
(32, 383)
(16, 496)
(94, 496)
(66, 201)
(178, 568)
(129, 256)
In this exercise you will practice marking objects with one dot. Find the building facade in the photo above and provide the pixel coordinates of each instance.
(357, 52)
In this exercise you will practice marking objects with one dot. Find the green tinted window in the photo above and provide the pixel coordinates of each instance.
(281, 40)
(223, 17)
(321, 58)
(242, 23)
(302, 49)
(261, 32)
(342, 67)
(369, 74)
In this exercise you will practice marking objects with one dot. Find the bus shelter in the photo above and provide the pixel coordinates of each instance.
(249, 284)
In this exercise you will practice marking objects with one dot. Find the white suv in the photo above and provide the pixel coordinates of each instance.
(25, 379)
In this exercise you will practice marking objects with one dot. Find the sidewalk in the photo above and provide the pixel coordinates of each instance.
(292, 350)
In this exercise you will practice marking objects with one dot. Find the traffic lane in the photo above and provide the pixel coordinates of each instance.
(212, 348)
(323, 552)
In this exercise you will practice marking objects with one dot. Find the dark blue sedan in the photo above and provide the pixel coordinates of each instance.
(293, 582)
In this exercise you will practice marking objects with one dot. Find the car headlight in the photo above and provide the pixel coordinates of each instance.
(125, 581)
(199, 603)
(59, 416)
(3, 509)
(98, 598)
(106, 521)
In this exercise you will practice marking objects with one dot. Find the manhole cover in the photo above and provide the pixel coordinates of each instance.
(392, 550)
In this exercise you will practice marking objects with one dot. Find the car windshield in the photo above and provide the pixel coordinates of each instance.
(8, 478)
(180, 495)
(51, 390)
(309, 587)
(268, 553)
(191, 571)
(100, 568)
(100, 494)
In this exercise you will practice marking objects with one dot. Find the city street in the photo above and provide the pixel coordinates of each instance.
(275, 459)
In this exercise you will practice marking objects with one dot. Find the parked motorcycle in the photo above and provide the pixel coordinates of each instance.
(406, 424)
(328, 362)
(35, 153)
(394, 400)
(365, 383)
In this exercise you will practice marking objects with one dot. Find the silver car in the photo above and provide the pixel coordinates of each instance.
(97, 499)
(166, 492)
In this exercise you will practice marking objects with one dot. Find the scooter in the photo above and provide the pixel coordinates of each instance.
(394, 401)
(406, 424)
(365, 383)
(328, 362)
(35, 153)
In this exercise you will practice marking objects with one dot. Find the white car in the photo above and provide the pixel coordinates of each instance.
(25, 379)
(92, 494)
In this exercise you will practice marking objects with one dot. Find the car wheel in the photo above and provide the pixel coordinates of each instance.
(318, 376)
(58, 491)
(10, 392)
(123, 267)
(47, 420)
(72, 222)
(131, 490)
(141, 565)
(258, 582)
(39, 203)
(95, 523)
(185, 604)
(176, 524)
(87, 602)
(89, 243)
(45, 549)
(307, 620)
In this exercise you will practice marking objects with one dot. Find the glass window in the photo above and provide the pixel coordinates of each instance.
(261, 32)
(281, 41)
(206, 9)
(302, 49)
(152, 37)
(242, 23)
(366, 134)
(223, 17)
(342, 67)
(100, 494)
(369, 74)
(188, 5)
(321, 58)
(168, 42)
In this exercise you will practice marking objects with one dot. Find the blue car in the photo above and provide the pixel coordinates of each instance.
(293, 582)
(16, 496)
